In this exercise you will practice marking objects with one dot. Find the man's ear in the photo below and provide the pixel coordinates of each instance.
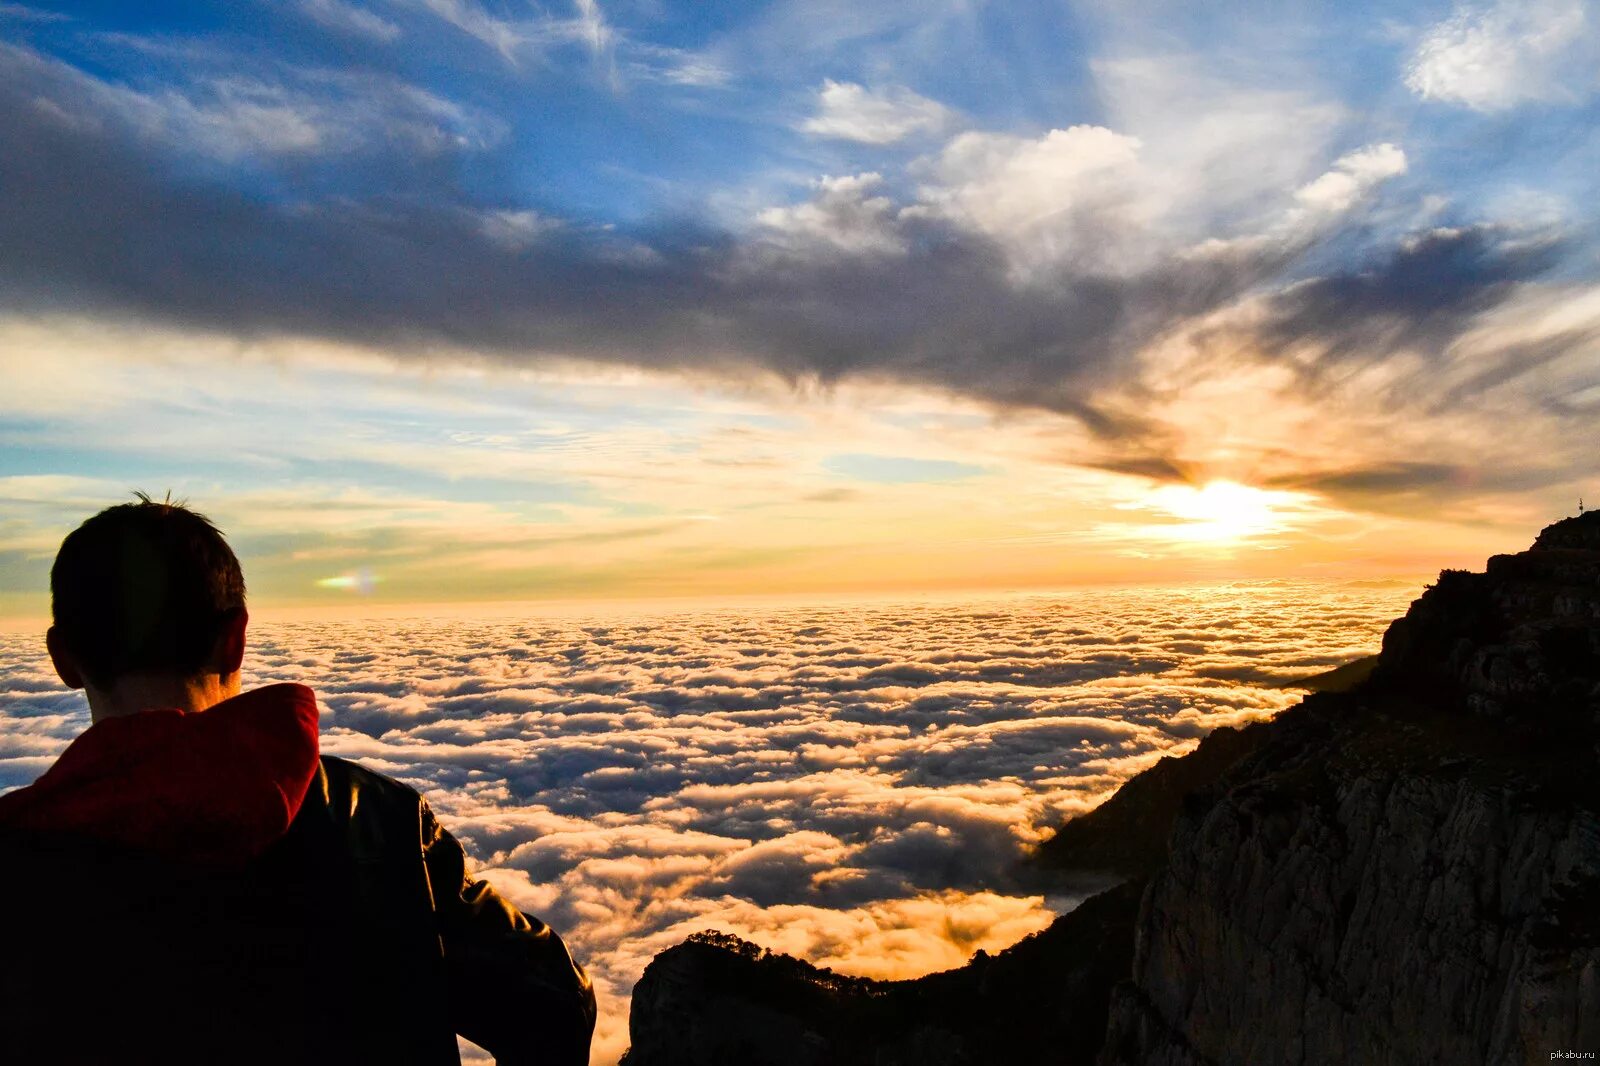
(61, 659)
(229, 654)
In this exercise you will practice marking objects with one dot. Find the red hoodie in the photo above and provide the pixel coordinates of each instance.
(209, 788)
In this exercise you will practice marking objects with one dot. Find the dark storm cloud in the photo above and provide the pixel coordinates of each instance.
(115, 205)
(1401, 487)
(1418, 297)
(1384, 478)
(1154, 467)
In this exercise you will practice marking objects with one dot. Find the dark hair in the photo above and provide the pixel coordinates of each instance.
(144, 586)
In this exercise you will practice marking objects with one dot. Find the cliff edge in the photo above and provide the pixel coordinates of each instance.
(716, 1000)
(1409, 872)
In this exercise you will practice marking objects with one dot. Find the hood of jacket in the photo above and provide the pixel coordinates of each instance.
(210, 788)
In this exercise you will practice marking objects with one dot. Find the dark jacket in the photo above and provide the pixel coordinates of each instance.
(204, 888)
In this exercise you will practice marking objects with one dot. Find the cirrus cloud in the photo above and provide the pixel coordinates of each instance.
(1496, 57)
(850, 112)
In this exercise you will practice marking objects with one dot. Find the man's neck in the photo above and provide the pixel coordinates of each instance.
(135, 693)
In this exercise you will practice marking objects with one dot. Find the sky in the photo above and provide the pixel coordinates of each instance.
(452, 300)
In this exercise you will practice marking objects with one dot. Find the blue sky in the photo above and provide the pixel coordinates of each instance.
(646, 114)
(521, 267)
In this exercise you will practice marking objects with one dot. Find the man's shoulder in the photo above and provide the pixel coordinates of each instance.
(343, 775)
(373, 812)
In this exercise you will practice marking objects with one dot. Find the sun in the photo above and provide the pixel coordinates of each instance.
(1219, 512)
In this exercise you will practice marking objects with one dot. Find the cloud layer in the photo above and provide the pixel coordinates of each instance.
(849, 784)
(1101, 217)
(1021, 269)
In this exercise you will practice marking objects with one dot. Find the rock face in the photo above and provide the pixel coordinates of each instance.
(716, 1000)
(1127, 834)
(1339, 679)
(1408, 871)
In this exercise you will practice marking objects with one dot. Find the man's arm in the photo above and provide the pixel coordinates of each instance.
(514, 989)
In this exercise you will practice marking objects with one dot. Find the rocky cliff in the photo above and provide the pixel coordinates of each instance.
(1408, 871)
(716, 1000)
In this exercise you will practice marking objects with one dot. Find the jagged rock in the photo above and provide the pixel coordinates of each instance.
(1408, 874)
(716, 1000)
(1340, 679)
(1127, 834)
(1571, 534)
(1522, 638)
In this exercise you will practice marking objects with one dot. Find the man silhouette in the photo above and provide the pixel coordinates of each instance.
(191, 882)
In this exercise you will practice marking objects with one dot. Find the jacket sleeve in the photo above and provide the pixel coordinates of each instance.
(514, 989)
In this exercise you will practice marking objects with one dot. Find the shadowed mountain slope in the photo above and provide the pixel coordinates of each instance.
(1126, 836)
(1339, 679)
(716, 1000)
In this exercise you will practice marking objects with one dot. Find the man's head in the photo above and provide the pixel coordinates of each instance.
(147, 598)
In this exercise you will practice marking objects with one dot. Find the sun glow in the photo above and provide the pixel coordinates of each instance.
(1220, 512)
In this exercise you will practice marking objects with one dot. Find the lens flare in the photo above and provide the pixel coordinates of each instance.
(360, 581)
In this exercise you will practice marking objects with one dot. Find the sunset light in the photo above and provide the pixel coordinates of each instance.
(1221, 511)
(759, 470)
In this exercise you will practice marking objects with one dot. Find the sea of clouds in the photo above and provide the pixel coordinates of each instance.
(849, 784)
